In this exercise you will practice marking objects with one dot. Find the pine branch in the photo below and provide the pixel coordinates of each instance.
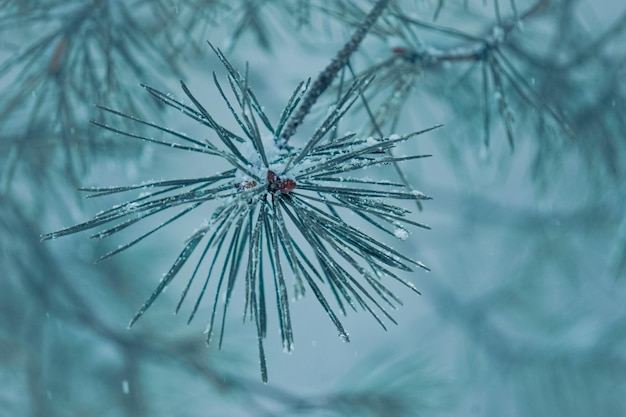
(327, 76)
(276, 207)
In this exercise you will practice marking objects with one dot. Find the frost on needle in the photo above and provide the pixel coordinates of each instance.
(280, 216)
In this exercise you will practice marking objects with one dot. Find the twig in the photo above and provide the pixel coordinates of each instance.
(328, 75)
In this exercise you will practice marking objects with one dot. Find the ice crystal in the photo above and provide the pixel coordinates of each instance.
(280, 214)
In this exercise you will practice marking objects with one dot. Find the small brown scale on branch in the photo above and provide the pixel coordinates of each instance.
(274, 184)
(246, 184)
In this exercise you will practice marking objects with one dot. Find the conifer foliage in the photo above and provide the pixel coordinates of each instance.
(261, 190)
(278, 205)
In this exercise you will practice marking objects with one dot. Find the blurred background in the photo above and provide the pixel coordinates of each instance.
(523, 313)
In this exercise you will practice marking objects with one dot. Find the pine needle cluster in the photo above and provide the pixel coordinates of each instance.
(281, 210)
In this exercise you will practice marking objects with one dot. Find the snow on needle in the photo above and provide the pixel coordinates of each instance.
(280, 214)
